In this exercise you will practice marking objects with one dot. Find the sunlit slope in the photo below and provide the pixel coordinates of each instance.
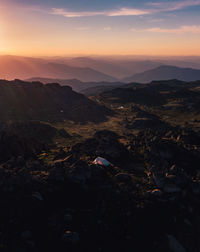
(12, 67)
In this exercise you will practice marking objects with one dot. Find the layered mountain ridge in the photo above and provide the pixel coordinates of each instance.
(165, 73)
(12, 67)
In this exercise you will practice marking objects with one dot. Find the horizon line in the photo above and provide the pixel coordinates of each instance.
(100, 55)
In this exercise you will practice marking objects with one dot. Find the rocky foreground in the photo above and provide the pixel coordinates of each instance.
(147, 199)
(21, 100)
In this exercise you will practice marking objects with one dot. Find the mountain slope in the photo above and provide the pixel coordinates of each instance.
(77, 85)
(83, 74)
(165, 73)
(127, 67)
(114, 67)
(12, 67)
(35, 101)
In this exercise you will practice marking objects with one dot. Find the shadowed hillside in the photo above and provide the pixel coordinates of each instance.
(77, 85)
(35, 101)
(54, 197)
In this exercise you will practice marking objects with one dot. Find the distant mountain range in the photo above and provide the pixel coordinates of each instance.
(91, 70)
(117, 68)
(121, 68)
(34, 101)
(157, 74)
(12, 67)
(165, 73)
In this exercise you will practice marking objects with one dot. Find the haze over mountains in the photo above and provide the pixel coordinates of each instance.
(77, 85)
(123, 67)
(12, 67)
(165, 73)
(93, 69)
(119, 68)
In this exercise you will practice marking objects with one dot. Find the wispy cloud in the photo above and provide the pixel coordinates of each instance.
(69, 14)
(190, 29)
(151, 8)
(193, 29)
(110, 13)
(127, 12)
(173, 6)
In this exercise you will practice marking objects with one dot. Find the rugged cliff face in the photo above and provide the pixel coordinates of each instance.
(34, 101)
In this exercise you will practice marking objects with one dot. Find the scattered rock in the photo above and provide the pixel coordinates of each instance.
(123, 177)
(156, 192)
(68, 218)
(26, 234)
(170, 188)
(101, 161)
(63, 133)
(71, 237)
(174, 245)
(38, 196)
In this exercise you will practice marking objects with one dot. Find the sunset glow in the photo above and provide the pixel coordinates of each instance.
(39, 28)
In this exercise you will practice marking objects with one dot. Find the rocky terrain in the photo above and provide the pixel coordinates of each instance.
(34, 101)
(79, 86)
(54, 198)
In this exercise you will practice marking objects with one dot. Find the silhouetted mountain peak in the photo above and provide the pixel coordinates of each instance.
(165, 72)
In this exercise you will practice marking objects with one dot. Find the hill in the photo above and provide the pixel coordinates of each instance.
(77, 85)
(123, 67)
(165, 73)
(86, 69)
(54, 196)
(12, 67)
(115, 67)
(61, 200)
(35, 101)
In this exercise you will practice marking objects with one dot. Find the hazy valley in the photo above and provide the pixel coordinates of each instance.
(99, 69)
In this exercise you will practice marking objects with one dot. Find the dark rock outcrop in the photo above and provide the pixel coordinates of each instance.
(34, 101)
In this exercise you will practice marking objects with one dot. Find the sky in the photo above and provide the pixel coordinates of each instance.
(99, 27)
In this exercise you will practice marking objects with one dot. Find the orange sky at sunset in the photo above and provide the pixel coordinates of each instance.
(44, 30)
